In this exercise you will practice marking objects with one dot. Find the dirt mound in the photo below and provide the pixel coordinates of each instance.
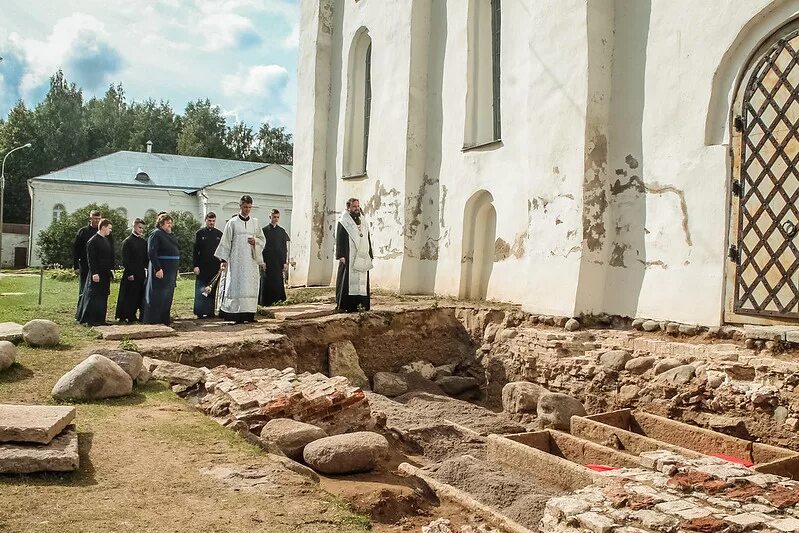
(391, 505)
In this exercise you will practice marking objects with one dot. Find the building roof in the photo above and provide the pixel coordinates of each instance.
(161, 170)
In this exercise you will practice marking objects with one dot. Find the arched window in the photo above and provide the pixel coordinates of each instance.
(359, 105)
(58, 212)
(483, 118)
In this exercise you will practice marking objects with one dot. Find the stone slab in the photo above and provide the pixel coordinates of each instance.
(770, 333)
(61, 455)
(301, 312)
(135, 332)
(10, 331)
(33, 423)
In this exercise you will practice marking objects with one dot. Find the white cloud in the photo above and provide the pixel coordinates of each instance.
(293, 38)
(227, 30)
(258, 81)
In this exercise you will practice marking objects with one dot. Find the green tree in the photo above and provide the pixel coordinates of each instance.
(60, 123)
(156, 122)
(55, 241)
(274, 145)
(203, 131)
(108, 123)
(184, 226)
(18, 130)
(241, 140)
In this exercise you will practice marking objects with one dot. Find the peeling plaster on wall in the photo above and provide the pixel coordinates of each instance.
(501, 250)
(318, 227)
(518, 248)
(384, 207)
(568, 252)
(631, 161)
(637, 184)
(376, 200)
(443, 205)
(414, 206)
(429, 250)
(617, 254)
(595, 200)
(326, 17)
(651, 264)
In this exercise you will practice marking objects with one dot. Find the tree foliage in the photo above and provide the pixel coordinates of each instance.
(66, 130)
(56, 240)
(184, 226)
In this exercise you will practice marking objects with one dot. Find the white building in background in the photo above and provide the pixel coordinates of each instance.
(135, 183)
(16, 242)
(635, 157)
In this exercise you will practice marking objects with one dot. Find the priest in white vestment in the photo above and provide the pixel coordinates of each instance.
(354, 253)
(240, 251)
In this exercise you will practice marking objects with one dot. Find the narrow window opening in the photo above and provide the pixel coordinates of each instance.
(359, 107)
(483, 119)
(367, 111)
(58, 212)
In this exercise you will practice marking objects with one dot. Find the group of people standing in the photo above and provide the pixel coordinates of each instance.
(235, 269)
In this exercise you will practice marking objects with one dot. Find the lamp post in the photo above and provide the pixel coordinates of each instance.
(3, 194)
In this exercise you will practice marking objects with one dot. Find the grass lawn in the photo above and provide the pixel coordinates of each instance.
(148, 461)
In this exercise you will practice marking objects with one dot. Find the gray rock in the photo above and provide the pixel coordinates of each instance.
(8, 354)
(490, 333)
(346, 454)
(556, 409)
(639, 365)
(418, 383)
(455, 385)
(650, 325)
(521, 396)
(560, 321)
(628, 393)
(688, 329)
(389, 384)
(143, 377)
(666, 364)
(33, 423)
(678, 376)
(291, 436)
(427, 370)
(176, 373)
(614, 359)
(672, 328)
(638, 324)
(94, 378)
(59, 455)
(715, 378)
(781, 415)
(446, 370)
(131, 362)
(344, 361)
(572, 325)
(10, 331)
(43, 333)
(714, 331)
(506, 334)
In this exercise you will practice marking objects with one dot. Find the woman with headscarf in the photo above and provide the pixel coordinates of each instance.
(164, 254)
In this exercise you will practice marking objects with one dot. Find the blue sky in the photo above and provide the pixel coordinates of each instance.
(241, 54)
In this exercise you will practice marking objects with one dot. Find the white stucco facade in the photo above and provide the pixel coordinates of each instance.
(269, 186)
(611, 181)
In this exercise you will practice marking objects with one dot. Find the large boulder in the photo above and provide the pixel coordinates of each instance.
(175, 373)
(346, 454)
(678, 375)
(389, 384)
(343, 360)
(8, 354)
(291, 436)
(555, 410)
(42, 333)
(639, 365)
(131, 362)
(521, 397)
(94, 378)
(10, 331)
(457, 385)
(425, 369)
(614, 360)
(666, 364)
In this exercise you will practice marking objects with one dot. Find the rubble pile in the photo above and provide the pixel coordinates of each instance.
(678, 495)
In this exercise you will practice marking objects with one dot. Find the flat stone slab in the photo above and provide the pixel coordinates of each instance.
(10, 331)
(61, 455)
(33, 423)
(135, 331)
(772, 333)
(300, 312)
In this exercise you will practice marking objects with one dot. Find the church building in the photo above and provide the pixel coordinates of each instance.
(631, 157)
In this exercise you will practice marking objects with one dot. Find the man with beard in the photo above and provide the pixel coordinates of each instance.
(134, 263)
(80, 261)
(354, 253)
(100, 261)
(275, 262)
(240, 252)
(206, 266)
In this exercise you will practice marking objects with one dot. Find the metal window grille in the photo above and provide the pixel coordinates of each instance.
(496, 27)
(367, 111)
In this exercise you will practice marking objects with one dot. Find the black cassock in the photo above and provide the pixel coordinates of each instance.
(206, 240)
(80, 262)
(275, 255)
(164, 254)
(345, 302)
(94, 301)
(131, 292)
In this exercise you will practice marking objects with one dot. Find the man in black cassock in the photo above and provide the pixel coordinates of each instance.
(354, 253)
(80, 262)
(206, 266)
(100, 260)
(275, 256)
(131, 286)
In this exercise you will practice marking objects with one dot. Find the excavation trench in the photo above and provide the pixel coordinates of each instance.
(453, 445)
